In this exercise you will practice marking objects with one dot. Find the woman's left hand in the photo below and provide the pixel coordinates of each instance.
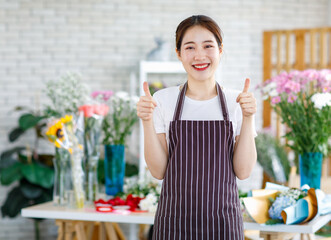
(247, 101)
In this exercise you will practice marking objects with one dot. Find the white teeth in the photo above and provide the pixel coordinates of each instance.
(201, 66)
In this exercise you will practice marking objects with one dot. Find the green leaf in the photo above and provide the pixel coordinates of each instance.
(30, 191)
(38, 174)
(15, 134)
(46, 159)
(14, 203)
(46, 196)
(131, 170)
(101, 171)
(274, 221)
(28, 120)
(11, 174)
(8, 154)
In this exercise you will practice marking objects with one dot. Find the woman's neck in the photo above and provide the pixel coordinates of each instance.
(201, 90)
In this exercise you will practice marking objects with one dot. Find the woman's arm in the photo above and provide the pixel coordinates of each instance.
(155, 145)
(244, 157)
(156, 152)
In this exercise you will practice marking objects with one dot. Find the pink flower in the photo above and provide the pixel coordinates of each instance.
(101, 109)
(105, 94)
(87, 109)
(98, 109)
(291, 98)
(292, 86)
(275, 100)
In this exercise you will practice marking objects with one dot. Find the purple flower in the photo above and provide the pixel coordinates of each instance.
(279, 205)
(275, 100)
(291, 98)
(105, 94)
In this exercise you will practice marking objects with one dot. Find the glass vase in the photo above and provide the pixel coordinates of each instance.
(92, 186)
(114, 168)
(310, 165)
(62, 176)
(76, 198)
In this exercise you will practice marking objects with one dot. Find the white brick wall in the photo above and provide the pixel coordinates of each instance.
(106, 39)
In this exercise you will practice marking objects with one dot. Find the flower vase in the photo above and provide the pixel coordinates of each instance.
(114, 168)
(310, 169)
(76, 198)
(92, 186)
(62, 176)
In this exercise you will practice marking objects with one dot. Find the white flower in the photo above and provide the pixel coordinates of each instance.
(269, 87)
(122, 95)
(135, 99)
(321, 100)
(149, 203)
(328, 77)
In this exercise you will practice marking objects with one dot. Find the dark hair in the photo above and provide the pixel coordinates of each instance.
(198, 20)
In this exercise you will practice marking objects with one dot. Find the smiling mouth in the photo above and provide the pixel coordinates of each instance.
(201, 67)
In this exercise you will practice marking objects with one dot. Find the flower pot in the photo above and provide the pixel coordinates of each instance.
(310, 169)
(114, 168)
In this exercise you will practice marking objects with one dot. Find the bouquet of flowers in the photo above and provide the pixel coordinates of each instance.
(303, 101)
(93, 118)
(279, 204)
(148, 190)
(66, 95)
(63, 133)
(118, 124)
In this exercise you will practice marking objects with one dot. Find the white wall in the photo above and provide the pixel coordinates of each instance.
(106, 39)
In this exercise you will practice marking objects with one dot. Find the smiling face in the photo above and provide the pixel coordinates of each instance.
(199, 54)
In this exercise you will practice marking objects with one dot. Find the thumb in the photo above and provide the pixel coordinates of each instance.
(146, 89)
(247, 83)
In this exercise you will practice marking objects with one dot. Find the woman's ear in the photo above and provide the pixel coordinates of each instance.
(221, 49)
(178, 54)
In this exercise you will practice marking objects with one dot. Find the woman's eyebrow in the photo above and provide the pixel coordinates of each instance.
(191, 42)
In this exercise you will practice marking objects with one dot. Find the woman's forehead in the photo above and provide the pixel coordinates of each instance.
(198, 34)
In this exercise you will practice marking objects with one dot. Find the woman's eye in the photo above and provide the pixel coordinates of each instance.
(209, 46)
(189, 48)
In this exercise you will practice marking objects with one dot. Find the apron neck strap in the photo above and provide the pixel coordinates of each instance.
(181, 98)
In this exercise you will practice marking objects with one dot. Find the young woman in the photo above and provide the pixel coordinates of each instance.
(199, 137)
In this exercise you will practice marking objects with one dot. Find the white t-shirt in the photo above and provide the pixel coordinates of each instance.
(210, 109)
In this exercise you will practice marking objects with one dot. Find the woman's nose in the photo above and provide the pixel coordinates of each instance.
(199, 54)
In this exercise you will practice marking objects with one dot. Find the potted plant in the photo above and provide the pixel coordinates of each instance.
(25, 166)
(302, 99)
(117, 126)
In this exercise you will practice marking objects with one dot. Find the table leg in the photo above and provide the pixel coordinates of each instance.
(89, 230)
(118, 231)
(60, 231)
(110, 231)
(102, 231)
(133, 231)
(276, 235)
(69, 230)
(79, 227)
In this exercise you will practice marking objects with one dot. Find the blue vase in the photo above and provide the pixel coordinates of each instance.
(311, 169)
(114, 168)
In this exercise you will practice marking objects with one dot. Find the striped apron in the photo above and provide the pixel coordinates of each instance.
(199, 197)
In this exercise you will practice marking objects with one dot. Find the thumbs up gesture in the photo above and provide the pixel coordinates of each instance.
(146, 105)
(247, 100)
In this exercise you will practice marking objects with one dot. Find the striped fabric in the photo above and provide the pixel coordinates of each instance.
(199, 198)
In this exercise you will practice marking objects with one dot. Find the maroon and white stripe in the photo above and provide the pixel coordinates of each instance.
(199, 198)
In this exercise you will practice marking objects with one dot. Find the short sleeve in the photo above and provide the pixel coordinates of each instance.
(158, 117)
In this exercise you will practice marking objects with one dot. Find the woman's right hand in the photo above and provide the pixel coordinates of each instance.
(146, 105)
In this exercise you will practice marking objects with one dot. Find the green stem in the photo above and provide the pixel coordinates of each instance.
(36, 229)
